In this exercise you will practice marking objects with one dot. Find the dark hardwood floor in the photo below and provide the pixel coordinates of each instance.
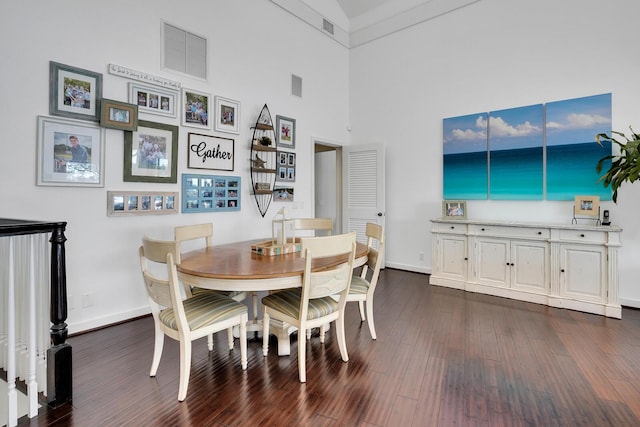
(443, 358)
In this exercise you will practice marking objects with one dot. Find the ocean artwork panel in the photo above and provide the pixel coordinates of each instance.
(572, 153)
(516, 154)
(465, 160)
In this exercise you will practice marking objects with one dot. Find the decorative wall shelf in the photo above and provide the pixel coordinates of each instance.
(263, 160)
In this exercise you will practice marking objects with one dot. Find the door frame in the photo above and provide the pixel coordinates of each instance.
(323, 145)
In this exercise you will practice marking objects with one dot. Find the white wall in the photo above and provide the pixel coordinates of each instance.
(491, 55)
(254, 47)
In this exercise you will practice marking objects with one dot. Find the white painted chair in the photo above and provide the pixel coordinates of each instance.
(194, 232)
(189, 319)
(312, 305)
(324, 225)
(362, 289)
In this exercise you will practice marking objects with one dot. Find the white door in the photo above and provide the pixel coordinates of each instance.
(363, 188)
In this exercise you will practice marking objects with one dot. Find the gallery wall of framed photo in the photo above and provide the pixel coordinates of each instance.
(155, 116)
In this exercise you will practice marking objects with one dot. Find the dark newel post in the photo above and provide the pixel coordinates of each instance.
(59, 373)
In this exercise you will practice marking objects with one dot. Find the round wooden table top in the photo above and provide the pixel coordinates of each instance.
(238, 261)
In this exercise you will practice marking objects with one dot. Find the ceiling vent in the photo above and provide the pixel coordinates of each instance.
(327, 26)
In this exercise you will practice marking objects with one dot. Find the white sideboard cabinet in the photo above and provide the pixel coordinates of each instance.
(566, 266)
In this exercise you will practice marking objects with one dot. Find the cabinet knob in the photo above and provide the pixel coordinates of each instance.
(507, 264)
(482, 229)
(466, 259)
(452, 227)
(562, 270)
(582, 235)
(539, 232)
(512, 264)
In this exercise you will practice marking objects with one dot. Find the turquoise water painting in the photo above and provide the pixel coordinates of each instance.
(516, 156)
(465, 160)
(572, 153)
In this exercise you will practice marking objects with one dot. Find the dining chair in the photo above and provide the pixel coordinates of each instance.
(312, 305)
(324, 225)
(362, 289)
(185, 320)
(193, 233)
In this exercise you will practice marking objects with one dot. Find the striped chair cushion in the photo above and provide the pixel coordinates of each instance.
(358, 285)
(204, 309)
(288, 302)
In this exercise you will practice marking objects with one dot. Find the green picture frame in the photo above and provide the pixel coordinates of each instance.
(151, 153)
(74, 92)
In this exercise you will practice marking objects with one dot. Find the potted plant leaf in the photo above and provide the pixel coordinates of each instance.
(625, 165)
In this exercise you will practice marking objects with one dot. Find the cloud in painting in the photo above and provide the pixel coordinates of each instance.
(500, 128)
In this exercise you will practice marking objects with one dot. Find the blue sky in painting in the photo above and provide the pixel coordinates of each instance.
(516, 128)
(465, 134)
(578, 120)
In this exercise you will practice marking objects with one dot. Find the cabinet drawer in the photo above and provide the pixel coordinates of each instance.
(451, 228)
(583, 236)
(502, 231)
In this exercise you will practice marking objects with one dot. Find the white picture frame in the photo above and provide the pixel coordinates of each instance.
(153, 100)
(70, 153)
(196, 109)
(227, 117)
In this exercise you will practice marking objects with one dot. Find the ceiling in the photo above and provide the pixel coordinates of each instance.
(355, 8)
(382, 8)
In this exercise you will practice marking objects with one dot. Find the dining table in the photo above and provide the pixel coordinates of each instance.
(237, 267)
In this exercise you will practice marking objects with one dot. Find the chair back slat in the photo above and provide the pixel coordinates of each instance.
(335, 280)
(185, 233)
(315, 224)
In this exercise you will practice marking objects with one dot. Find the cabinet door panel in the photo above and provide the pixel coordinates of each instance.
(492, 258)
(530, 270)
(453, 256)
(583, 272)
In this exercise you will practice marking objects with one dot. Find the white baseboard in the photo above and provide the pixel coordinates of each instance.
(407, 267)
(77, 327)
(630, 302)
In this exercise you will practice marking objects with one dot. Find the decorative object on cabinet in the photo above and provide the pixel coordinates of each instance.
(586, 207)
(454, 209)
(286, 167)
(128, 73)
(622, 167)
(227, 118)
(70, 152)
(151, 153)
(263, 160)
(153, 100)
(195, 109)
(118, 115)
(74, 92)
(286, 132)
(210, 193)
(564, 266)
(210, 152)
(125, 203)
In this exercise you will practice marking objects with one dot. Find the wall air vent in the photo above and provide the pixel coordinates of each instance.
(183, 51)
(327, 26)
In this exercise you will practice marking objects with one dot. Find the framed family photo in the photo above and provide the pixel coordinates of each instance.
(196, 107)
(454, 209)
(70, 153)
(122, 203)
(118, 115)
(285, 132)
(151, 153)
(227, 118)
(153, 100)
(74, 92)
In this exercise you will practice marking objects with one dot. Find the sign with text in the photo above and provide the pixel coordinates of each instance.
(210, 152)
